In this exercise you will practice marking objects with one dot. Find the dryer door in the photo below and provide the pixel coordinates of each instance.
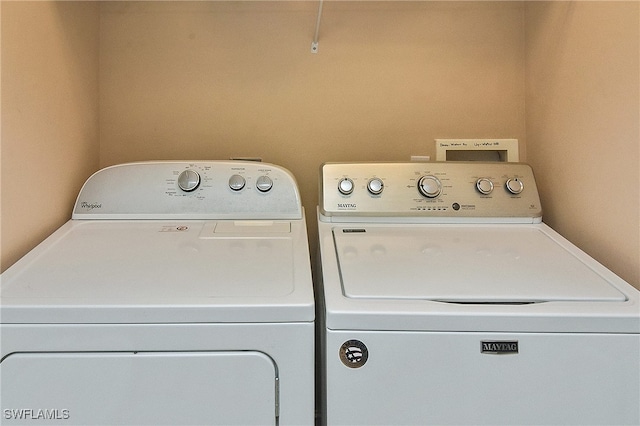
(141, 388)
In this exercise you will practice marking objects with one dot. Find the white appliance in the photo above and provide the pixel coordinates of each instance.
(179, 293)
(446, 300)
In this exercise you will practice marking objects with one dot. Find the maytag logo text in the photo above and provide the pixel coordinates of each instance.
(499, 347)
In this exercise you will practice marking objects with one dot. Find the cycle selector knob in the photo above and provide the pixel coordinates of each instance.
(375, 186)
(264, 184)
(429, 186)
(484, 186)
(345, 186)
(514, 186)
(189, 180)
(237, 182)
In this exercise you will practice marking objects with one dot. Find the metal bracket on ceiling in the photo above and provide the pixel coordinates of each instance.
(314, 43)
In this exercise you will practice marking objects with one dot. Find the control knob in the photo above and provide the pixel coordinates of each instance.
(484, 186)
(236, 182)
(345, 186)
(375, 186)
(188, 180)
(264, 184)
(429, 186)
(514, 186)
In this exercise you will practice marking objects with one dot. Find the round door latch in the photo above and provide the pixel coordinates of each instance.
(354, 353)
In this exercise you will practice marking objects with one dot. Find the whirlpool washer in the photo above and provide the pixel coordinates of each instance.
(446, 300)
(178, 293)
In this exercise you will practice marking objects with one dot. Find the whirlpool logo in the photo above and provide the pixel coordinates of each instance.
(90, 206)
(36, 414)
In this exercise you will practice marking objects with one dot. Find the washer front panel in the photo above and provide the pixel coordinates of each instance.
(422, 378)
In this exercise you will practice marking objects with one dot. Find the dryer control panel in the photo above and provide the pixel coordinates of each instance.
(190, 190)
(432, 191)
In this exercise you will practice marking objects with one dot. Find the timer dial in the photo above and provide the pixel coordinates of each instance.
(514, 186)
(429, 186)
(375, 186)
(188, 180)
(345, 186)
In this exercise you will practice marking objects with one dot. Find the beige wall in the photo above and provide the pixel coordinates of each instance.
(212, 80)
(49, 117)
(583, 134)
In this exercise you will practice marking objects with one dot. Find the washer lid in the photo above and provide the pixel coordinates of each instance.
(163, 271)
(505, 264)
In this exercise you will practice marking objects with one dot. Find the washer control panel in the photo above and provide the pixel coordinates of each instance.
(430, 190)
(190, 190)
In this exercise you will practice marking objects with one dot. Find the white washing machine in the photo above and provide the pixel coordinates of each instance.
(446, 300)
(179, 293)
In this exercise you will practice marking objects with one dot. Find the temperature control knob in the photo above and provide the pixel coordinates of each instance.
(429, 186)
(188, 180)
(345, 186)
(514, 186)
(375, 186)
(236, 182)
(484, 185)
(264, 184)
